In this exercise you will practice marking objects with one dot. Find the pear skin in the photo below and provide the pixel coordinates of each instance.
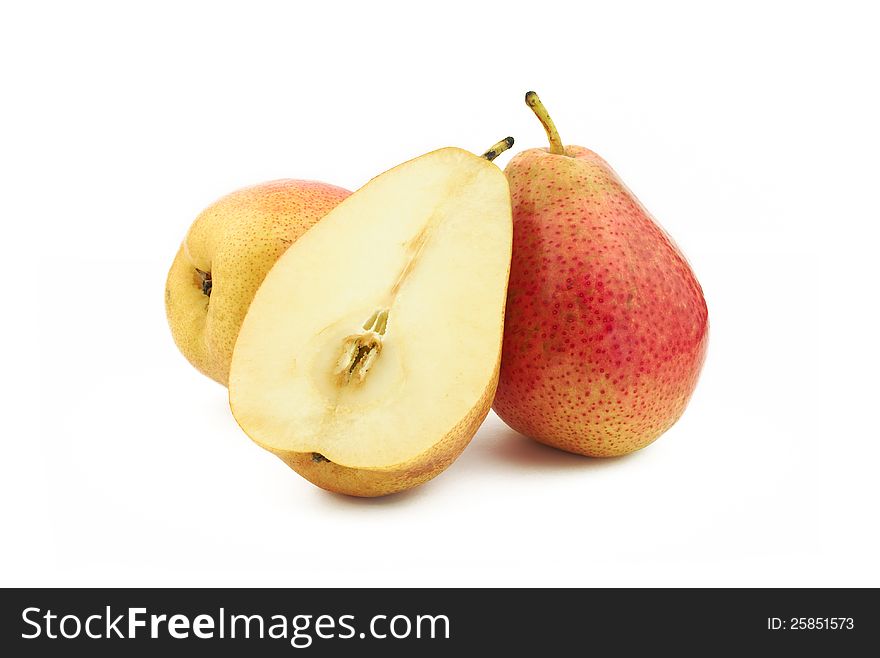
(607, 327)
(224, 258)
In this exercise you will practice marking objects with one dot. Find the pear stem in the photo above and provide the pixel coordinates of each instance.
(498, 149)
(532, 100)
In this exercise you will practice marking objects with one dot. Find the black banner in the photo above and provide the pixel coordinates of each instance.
(407, 622)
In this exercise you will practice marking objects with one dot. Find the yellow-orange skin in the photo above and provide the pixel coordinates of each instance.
(606, 325)
(237, 240)
(369, 483)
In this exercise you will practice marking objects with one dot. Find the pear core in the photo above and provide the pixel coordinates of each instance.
(378, 333)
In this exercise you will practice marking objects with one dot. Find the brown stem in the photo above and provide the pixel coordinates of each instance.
(532, 100)
(498, 149)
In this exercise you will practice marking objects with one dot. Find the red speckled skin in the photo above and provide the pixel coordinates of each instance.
(606, 326)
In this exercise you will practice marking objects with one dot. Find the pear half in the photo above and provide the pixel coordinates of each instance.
(370, 353)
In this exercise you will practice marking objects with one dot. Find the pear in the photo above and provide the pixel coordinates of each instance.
(607, 327)
(224, 257)
(370, 354)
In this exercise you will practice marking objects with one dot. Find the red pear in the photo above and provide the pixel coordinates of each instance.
(606, 326)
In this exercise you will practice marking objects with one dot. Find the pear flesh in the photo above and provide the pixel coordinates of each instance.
(370, 354)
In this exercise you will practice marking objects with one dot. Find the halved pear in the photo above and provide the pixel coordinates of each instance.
(370, 354)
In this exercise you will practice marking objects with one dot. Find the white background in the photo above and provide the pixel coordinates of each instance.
(751, 133)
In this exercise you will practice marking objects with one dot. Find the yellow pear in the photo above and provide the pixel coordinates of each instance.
(224, 257)
(370, 354)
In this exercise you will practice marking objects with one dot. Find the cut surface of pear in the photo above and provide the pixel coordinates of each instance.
(370, 354)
